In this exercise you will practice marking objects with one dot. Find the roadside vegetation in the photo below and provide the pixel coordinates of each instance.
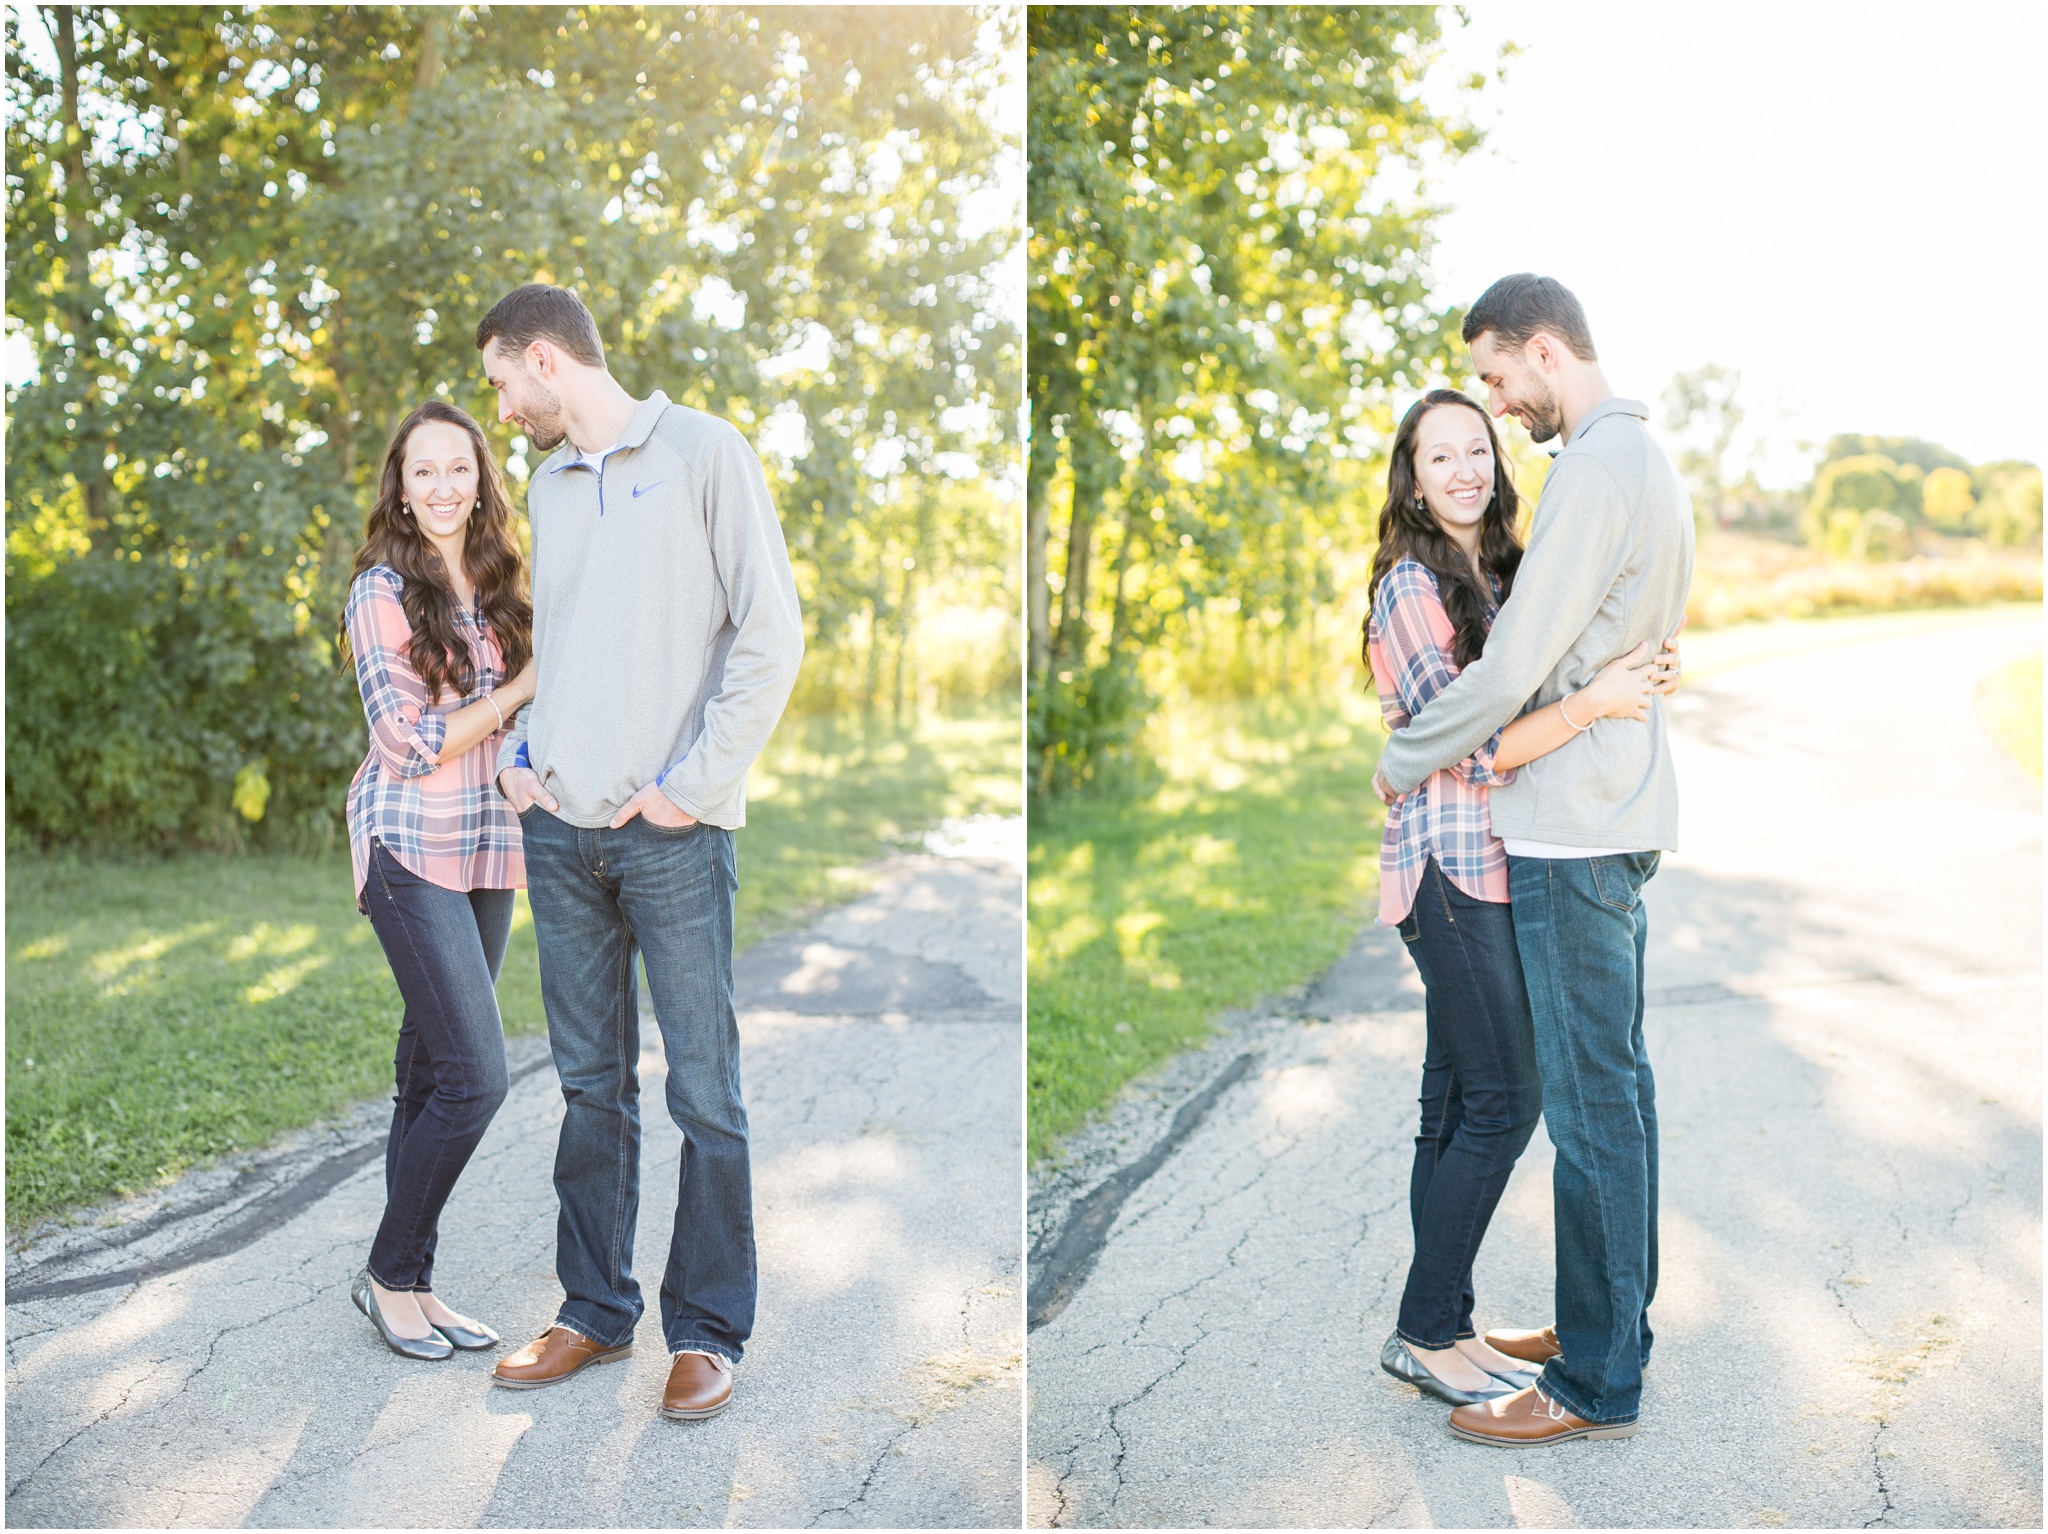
(2009, 703)
(161, 1012)
(1236, 867)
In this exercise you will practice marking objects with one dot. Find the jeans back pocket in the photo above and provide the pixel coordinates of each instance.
(1619, 879)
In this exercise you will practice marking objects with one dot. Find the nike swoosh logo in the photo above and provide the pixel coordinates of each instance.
(640, 490)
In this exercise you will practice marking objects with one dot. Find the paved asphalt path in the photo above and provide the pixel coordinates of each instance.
(881, 1055)
(1845, 1018)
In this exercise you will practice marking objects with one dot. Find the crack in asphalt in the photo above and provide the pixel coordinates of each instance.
(1065, 1265)
(890, 1445)
(1260, 1163)
(1884, 1492)
(36, 1469)
(867, 1481)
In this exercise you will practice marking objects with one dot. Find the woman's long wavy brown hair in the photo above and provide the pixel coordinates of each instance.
(437, 650)
(1409, 530)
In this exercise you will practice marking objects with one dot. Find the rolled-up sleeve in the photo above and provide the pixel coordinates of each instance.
(1413, 649)
(404, 732)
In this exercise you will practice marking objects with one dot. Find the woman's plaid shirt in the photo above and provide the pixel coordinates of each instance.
(445, 821)
(1410, 640)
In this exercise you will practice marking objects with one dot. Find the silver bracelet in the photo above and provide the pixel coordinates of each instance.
(1567, 718)
(496, 710)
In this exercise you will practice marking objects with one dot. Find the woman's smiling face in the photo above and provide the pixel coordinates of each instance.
(1454, 466)
(440, 477)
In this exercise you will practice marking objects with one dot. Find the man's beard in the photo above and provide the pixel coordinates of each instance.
(1546, 420)
(544, 428)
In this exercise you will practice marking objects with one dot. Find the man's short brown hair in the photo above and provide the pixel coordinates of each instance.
(1516, 307)
(538, 312)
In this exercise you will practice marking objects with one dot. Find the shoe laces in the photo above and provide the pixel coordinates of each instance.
(718, 1360)
(1554, 1410)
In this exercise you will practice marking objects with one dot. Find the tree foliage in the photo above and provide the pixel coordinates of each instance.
(1703, 410)
(2008, 502)
(243, 242)
(1871, 495)
(1228, 285)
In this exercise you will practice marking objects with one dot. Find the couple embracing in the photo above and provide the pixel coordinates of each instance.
(1530, 791)
(590, 744)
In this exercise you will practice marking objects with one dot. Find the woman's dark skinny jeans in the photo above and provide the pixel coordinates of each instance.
(1480, 1097)
(445, 948)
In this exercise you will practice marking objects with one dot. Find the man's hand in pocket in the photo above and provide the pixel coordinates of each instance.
(656, 807)
(523, 789)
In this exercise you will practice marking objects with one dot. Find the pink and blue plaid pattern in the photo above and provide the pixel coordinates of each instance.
(1411, 640)
(445, 821)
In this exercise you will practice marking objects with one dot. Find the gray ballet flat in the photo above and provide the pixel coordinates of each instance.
(431, 1346)
(1518, 1379)
(1404, 1365)
(468, 1338)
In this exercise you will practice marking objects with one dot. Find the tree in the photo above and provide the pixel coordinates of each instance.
(1225, 294)
(2008, 509)
(1946, 498)
(1921, 454)
(1703, 408)
(243, 242)
(1863, 506)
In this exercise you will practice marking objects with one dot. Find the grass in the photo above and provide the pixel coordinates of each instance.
(161, 1013)
(1241, 870)
(2009, 704)
(1741, 577)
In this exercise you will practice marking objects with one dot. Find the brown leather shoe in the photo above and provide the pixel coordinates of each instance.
(551, 1358)
(700, 1385)
(1528, 1419)
(1535, 1347)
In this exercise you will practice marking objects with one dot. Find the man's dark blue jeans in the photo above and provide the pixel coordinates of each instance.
(599, 896)
(1480, 1097)
(1581, 928)
(445, 947)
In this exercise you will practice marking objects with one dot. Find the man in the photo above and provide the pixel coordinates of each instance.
(666, 627)
(1608, 565)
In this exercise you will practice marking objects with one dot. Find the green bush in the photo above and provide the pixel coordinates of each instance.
(188, 646)
(2008, 509)
(1082, 723)
(1862, 506)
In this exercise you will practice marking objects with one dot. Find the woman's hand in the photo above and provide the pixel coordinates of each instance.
(1621, 690)
(1668, 671)
(520, 690)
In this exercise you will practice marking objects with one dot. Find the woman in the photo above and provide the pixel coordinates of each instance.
(1446, 562)
(438, 616)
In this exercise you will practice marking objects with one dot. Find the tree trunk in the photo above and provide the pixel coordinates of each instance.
(62, 23)
(433, 30)
(904, 612)
(877, 614)
(1037, 533)
(1091, 458)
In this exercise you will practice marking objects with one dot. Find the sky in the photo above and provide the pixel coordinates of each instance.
(1843, 202)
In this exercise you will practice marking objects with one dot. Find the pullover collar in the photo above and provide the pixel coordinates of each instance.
(1614, 405)
(645, 415)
